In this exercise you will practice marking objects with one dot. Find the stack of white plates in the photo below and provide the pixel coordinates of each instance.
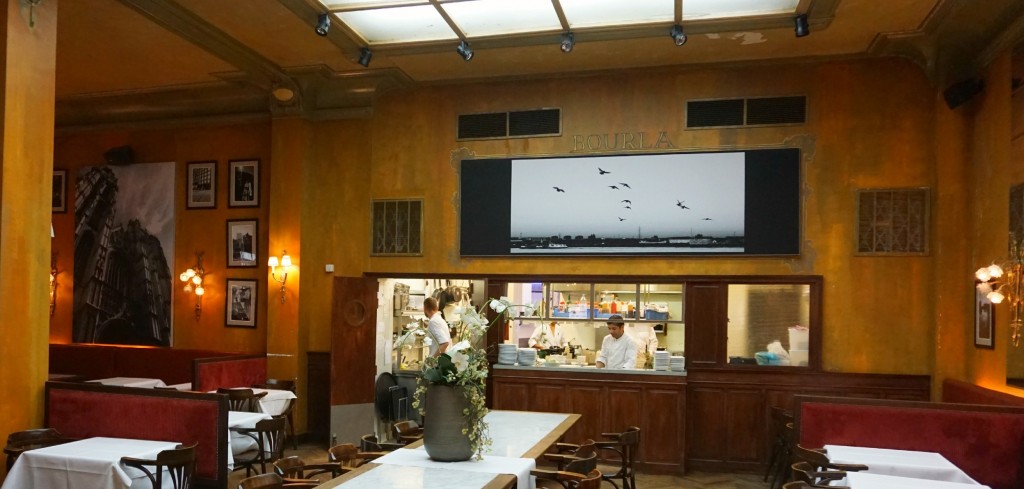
(527, 357)
(507, 354)
(677, 363)
(661, 359)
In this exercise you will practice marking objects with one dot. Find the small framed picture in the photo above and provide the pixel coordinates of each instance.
(60, 191)
(244, 183)
(984, 321)
(243, 240)
(201, 191)
(240, 304)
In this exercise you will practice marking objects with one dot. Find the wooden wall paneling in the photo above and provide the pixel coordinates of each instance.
(512, 396)
(661, 436)
(705, 324)
(745, 428)
(706, 424)
(589, 403)
(549, 398)
(353, 336)
(494, 288)
(624, 410)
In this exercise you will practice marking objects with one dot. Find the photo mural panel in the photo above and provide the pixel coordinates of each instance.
(124, 245)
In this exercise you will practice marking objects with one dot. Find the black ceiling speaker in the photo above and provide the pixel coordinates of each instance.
(121, 155)
(960, 92)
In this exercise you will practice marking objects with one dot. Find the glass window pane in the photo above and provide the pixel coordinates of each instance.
(354, 4)
(710, 9)
(493, 17)
(615, 299)
(398, 24)
(760, 314)
(590, 13)
(661, 302)
(570, 301)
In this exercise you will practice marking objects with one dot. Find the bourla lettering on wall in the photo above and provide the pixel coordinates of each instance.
(619, 141)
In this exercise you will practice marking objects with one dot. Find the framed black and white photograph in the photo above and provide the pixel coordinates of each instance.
(201, 190)
(242, 241)
(240, 307)
(244, 183)
(984, 321)
(60, 191)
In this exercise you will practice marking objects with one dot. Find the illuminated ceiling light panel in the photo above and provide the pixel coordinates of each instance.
(716, 9)
(596, 13)
(493, 17)
(398, 25)
(362, 4)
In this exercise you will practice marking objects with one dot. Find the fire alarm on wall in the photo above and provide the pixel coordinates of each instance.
(329, 268)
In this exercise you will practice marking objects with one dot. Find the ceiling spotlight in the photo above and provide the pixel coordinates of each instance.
(678, 35)
(365, 55)
(464, 50)
(323, 24)
(801, 27)
(568, 41)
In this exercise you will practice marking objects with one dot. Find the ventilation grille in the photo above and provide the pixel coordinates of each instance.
(892, 221)
(397, 227)
(746, 112)
(514, 124)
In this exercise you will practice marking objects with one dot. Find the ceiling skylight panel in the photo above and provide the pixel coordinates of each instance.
(492, 17)
(711, 9)
(365, 4)
(398, 24)
(594, 13)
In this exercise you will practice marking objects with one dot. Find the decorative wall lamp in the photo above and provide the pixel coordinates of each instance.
(53, 282)
(285, 264)
(1005, 281)
(193, 278)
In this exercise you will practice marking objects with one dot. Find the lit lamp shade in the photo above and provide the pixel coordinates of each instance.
(200, 290)
(983, 274)
(286, 261)
(272, 262)
(995, 271)
(995, 296)
(183, 277)
(984, 288)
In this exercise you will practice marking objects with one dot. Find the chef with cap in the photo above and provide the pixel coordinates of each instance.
(618, 350)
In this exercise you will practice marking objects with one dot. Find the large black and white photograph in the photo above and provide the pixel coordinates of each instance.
(202, 185)
(244, 184)
(241, 301)
(242, 240)
(124, 221)
(60, 194)
(628, 204)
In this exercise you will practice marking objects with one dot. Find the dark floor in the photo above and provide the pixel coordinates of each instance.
(312, 453)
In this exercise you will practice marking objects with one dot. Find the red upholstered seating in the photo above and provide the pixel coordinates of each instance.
(237, 371)
(987, 442)
(172, 365)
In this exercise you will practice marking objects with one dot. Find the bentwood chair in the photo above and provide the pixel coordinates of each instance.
(779, 460)
(284, 385)
(625, 445)
(274, 481)
(269, 437)
(806, 473)
(408, 431)
(369, 443)
(818, 458)
(797, 485)
(584, 464)
(243, 399)
(294, 468)
(571, 480)
(349, 456)
(178, 465)
(23, 441)
(569, 452)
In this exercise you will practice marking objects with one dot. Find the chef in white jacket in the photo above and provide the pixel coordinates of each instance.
(646, 342)
(549, 336)
(618, 350)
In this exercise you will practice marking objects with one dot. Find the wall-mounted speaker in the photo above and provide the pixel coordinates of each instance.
(960, 92)
(121, 155)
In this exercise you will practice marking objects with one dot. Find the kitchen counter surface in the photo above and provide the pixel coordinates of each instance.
(590, 369)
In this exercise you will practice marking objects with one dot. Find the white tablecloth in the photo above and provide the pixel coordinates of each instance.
(237, 442)
(515, 432)
(861, 480)
(276, 401)
(93, 463)
(131, 382)
(519, 467)
(902, 463)
(386, 476)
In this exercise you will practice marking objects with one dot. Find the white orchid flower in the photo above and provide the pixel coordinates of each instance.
(498, 306)
(459, 359)
(462, 345)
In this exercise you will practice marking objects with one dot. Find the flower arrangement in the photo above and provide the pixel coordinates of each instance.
(464, 365)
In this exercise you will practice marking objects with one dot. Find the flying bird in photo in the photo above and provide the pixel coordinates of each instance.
(627, 201)
(602, 171)
(621, 219)
(679, 204)
(707, 219)
(625, 185)
(558, 189)
(627, 207)
(613, 187)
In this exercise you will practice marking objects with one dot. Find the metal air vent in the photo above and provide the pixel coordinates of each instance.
(513, 124)
(739, 112)
(714, 113)
(776, 110)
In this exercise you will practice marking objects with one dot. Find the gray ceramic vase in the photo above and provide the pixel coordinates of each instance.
(442, 430)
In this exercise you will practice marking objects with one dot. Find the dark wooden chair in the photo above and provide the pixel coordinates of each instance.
(284, 385)
(349, 456)
(294, 468)
(782, 447)
(585, 463)
(408, 431)
(797, 485)
(571, 480)
(274, 481)
(369, 443)
(269, 436)
(569, 452)
(818, 458)
(806, 473)
(625, 445)
(243, 399)
(23, 441)
(178, 465)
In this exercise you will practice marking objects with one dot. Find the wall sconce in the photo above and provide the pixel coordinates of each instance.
(53, 282)
(1005, 281)
(193, 278)
(285, 263)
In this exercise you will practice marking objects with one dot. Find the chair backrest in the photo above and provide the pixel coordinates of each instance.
(369, 443)
(804, 472)
(408, 428)
(242, 399)
(262, 481)
(270, 436)
(179, 465)
(797, 485)
(591, 481)
(344, 453)
(21, 441)
(584, 464)
(290, 467)
(816, 458)
(630, 441)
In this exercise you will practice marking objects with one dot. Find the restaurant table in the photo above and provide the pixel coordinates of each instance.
(902, 463)
(520, 435)
(275, 402)
(131, 382)
(237, 442)
(861, 480)
(93, 463)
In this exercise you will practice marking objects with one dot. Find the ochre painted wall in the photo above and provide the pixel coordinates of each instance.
(196, 230)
